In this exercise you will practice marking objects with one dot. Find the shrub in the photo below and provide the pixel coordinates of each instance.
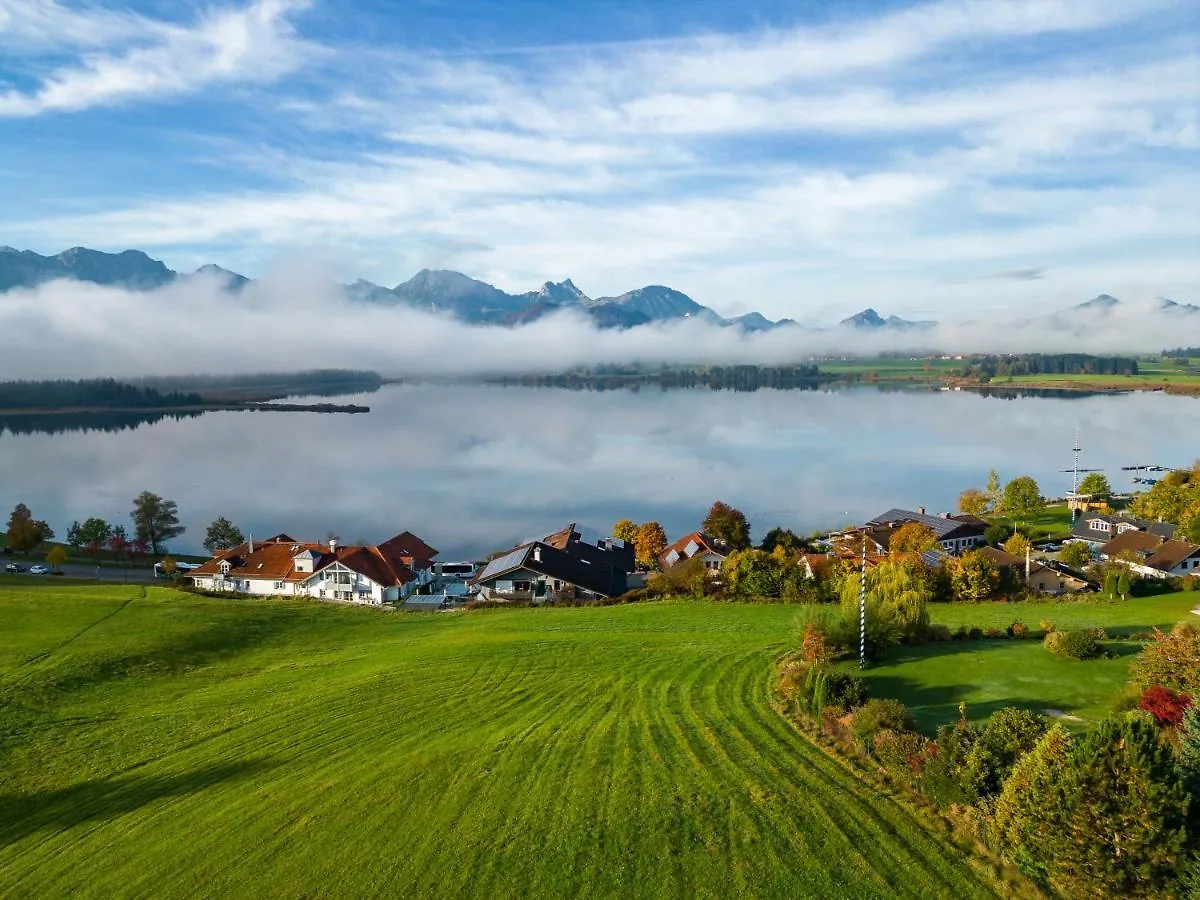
(992, 632)
(900, 752)
(974, 634)
(844, 689)
(996, 534)
(816, 647)
(1073, 644)
(1018, 630)
(938, 633)
(1046, 625)
(1165, 705)
(1008, 735)
(879, 714)
(941, 777)
(816, 687)
(1075, 554)
(960, 633)
(1171, 660)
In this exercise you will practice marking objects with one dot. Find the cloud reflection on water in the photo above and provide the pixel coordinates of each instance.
(473, 468)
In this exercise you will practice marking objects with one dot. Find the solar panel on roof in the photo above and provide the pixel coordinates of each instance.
(500, 564)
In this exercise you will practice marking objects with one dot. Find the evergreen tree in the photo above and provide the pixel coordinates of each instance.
(1024, 833)
(1122, 820)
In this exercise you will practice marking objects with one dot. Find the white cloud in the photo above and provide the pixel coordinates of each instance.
(252, 43)
(275, 322)
(862, 161)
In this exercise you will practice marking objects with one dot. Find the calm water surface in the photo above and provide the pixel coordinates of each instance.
(477, 468)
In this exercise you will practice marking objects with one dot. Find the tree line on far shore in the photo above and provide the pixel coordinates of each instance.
(89, 392)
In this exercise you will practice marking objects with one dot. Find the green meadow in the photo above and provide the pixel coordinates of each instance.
(933, 679)
(159, 744)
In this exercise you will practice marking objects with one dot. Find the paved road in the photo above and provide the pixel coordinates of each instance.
(83, 570)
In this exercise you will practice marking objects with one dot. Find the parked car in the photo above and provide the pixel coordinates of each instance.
(39, 570)
(14, 567)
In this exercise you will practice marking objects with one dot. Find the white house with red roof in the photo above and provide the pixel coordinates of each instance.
(696, 544)
(284, 567)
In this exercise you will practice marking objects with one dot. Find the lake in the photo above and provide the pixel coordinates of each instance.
(474, 468)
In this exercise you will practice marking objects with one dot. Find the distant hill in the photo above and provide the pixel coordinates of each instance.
(870, 320)
(448, 293)
(129, 269)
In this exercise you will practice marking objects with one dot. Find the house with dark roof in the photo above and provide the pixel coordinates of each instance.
(955, 533)
(282, 566)
(560, 566)
(697, 544)
(1097, 529)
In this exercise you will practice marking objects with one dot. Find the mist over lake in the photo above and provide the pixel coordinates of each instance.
(475, 468)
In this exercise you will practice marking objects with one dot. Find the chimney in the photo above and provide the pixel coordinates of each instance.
(1028, 562)
(921, 510)
(251, 543)
(333, 545)
(537, 554)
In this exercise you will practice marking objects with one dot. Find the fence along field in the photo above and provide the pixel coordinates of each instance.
(154, 744)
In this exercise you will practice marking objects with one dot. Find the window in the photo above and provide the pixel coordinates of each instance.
(521, 587)
(279, 585)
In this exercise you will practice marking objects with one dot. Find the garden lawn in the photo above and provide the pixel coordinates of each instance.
(159, 744)
(1051, 521)
(933, 679)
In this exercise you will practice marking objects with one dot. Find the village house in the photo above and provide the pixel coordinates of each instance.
(1097, 529)
(709, 550)
(955, 533)
(1034, 575)
(560, 566)
(1131, 544)
(1172, 559)
(282, 566)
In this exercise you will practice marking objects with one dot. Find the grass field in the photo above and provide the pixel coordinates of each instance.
(934, 678)
(1051, 521)
(160, 744)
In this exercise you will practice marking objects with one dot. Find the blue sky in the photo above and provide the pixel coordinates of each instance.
(949, 158)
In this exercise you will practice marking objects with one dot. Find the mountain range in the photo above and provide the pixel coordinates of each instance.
(451, 293)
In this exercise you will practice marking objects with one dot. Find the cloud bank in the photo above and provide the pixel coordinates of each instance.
(883, 155)
(73, 329)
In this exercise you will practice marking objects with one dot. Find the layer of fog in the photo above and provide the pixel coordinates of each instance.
(476, 468)
(74, 329)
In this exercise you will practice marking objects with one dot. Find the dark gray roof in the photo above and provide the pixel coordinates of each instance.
(942, 527)
(599, 570)
(1081, 528)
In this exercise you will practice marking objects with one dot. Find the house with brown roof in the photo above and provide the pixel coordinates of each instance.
(697, 544)
(1173, 559)
(1034, 575)
(283, 567)
(1132, 544)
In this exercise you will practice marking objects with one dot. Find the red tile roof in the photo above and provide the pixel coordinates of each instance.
(706, 544)
(274, 560)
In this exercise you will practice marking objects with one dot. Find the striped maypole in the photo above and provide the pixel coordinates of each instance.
(862, 608)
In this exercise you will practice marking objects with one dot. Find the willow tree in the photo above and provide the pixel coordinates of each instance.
(898, 593)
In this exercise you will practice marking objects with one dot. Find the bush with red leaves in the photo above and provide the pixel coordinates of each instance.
(1165, 705)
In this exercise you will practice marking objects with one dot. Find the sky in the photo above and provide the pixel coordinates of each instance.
(946, 159)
